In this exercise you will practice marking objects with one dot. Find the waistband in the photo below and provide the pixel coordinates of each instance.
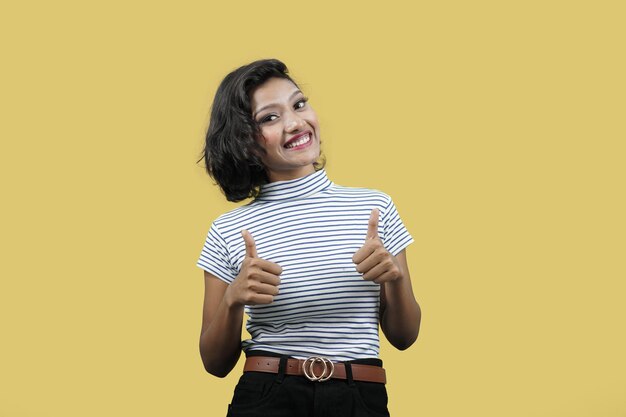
(316, 368)
(363, 361)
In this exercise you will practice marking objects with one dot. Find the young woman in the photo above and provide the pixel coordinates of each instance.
(316, 266)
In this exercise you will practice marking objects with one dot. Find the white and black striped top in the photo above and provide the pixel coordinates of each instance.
(311, 227)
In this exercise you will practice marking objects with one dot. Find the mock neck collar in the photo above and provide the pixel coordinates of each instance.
(294, 189)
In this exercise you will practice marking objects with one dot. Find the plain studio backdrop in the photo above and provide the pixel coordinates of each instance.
(498, 129)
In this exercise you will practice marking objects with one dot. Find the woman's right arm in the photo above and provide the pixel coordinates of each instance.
(220, 339)
(222, 315)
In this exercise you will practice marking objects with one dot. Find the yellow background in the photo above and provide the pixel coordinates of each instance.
(497, 127)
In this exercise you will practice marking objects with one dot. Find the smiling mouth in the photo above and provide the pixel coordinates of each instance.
(302, 140)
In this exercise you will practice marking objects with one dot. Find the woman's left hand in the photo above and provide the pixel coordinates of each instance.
(372, 259)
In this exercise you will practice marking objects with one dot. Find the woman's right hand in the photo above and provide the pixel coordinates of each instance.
(258, 279)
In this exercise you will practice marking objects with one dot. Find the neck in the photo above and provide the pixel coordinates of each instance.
(291, 174)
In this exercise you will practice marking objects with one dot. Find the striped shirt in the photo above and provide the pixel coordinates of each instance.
(311, 227)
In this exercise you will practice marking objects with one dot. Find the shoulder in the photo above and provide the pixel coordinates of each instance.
(359, 192)
(371, 196)
(248, 216)
(238, 214)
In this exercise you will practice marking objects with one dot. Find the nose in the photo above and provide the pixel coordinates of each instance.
(294, 122)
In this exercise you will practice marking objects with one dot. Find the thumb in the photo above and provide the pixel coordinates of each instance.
(250, 245)
(372, 226)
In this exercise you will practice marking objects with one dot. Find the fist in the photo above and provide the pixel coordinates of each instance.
(258, 279)
(372, 259)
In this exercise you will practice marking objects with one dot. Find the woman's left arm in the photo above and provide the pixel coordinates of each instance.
(400, 314)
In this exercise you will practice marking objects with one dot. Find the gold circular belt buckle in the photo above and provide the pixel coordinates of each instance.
(327, 372)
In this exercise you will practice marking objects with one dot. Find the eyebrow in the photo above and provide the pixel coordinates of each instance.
(275, 104)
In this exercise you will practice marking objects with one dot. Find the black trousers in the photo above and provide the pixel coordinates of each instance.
(260, 394)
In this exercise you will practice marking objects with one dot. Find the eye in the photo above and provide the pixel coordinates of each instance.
(268, 118)
(301, 103)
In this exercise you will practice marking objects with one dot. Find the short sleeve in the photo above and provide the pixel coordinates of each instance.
(395, 235)
(214, 257)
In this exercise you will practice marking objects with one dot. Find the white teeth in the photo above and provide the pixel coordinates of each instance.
(304, 139)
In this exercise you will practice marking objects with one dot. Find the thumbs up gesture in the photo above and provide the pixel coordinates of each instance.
(258, 279)
(372, 259)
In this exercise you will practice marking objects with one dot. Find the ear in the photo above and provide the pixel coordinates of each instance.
(258, 147)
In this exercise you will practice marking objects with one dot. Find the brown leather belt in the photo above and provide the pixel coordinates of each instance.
(316, 368)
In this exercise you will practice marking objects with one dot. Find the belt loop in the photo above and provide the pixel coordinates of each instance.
(348, 367)
(282, 368)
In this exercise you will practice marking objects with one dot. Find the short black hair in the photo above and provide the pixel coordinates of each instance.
(231, 153)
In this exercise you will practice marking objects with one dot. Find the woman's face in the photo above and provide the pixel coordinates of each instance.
(289, 129)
